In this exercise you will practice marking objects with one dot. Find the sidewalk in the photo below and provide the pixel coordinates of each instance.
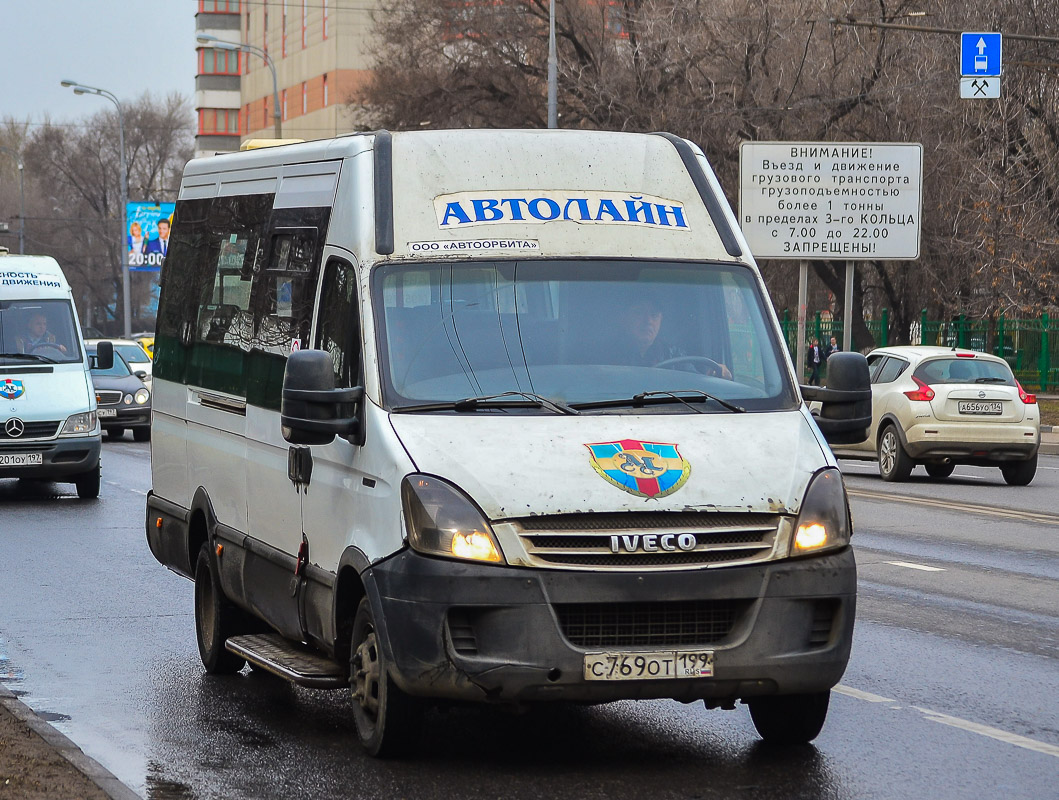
(39, 763)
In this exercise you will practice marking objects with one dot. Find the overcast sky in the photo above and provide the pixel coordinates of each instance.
(124, 46)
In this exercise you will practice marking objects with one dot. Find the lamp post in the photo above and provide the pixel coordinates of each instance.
(80, 88)
(220, 44)
(21, 198)
(553, 115)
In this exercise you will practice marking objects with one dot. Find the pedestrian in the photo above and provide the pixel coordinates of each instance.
(813, 359)
(833, 347)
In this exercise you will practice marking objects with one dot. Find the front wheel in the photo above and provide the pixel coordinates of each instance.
(894, 463)
(87, 484)
(1019, 473)
(141, 434)
(789, 719)
(216, 619)
(115, 433)
(387, 719)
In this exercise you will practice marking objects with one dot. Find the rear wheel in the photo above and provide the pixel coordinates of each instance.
(141, 434)
(115, 433)
(387, 719)
(87, 484)
(894, 462)
(789, 719)
(1019, 473)
(216, 619)
(940, 470)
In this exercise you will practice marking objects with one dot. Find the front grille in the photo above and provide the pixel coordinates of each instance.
(108, 397)
(677, 624)
(651, 540)
(34, 430)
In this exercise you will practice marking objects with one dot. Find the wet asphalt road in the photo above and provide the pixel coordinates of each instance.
(952, 691)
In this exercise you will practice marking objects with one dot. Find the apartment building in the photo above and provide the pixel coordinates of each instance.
(305, 58)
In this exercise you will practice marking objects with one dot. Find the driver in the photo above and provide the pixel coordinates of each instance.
(643, 321)
(38, 335)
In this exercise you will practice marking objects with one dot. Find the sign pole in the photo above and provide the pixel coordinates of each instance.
(847, 310)
(803, 302)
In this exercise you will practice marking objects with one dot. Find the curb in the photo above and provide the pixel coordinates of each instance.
(89, 767)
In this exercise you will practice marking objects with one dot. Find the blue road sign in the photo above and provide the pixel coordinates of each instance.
(980, 54)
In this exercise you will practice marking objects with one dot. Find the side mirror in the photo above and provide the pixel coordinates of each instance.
(312, 410)
(104, 357)
(845, 403)
(141, 374)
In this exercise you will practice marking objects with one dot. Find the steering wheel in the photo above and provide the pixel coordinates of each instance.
(45, 348)
(711, 368)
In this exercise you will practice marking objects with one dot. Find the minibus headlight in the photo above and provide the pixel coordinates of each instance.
(823, 523)
(142, 396)
(80, 424)
(442, 521)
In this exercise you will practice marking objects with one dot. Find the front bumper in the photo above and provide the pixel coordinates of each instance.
(969, 442)
(62, 458)
(486, 633)
(128, 417)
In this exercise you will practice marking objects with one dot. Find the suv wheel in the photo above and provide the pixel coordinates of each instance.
(940, 470)
(1019, 473)
(894, 463)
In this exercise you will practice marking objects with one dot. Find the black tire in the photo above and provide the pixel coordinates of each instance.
(115, 433)
(789, 719)
(216, 619)
(1019, 473)
(141, 434)
(894, 463)
(387, 719)
(940, 470)
(87, 484)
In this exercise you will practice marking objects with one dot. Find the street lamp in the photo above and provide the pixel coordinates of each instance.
(22, 198)
(220, 44)
(80, 88)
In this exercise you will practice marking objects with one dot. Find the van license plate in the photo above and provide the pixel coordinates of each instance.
(21, 459)
(645, 666)
(980, 407)
(107, 412)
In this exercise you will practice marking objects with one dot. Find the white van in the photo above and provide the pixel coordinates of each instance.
(499, 416)
(48, 425)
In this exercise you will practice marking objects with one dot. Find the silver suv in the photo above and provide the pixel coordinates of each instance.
(940, 407)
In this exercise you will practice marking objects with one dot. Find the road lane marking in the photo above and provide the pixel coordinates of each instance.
(993, 733)
(910, 565)
(956, 722)
(953, 505)
(859, 694)
(126, 488)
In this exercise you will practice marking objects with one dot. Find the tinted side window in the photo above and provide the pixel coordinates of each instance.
(875, 363)
(891, 370)
(338, 326)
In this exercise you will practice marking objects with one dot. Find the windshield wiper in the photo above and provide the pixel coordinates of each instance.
(502, 400)
(30, 356)
(990, 380)
(662, 397)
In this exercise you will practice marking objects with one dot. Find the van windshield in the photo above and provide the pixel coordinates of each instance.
(576, 332)
(38, 331)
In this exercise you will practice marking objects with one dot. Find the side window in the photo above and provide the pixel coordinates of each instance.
(891, 370)
(874, 365)
(338, 328)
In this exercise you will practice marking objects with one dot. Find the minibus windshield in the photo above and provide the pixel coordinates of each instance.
(594, 333)
(38, 331)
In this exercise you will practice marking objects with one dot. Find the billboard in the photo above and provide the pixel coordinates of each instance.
(147, 234)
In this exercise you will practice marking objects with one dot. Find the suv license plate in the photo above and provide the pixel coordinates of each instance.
(646, 666)
(107, 412)
(21, 459)
(980, 407)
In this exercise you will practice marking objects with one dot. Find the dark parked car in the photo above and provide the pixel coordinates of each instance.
(122, 399)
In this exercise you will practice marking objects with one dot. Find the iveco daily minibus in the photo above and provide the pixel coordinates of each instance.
(48, 425)
(495, 416)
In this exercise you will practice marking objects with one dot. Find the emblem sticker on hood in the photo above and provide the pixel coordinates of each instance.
(645, 469)
(10, 389)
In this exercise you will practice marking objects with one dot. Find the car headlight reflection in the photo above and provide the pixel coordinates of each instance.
(142, 396)
(824, 521)
(442, 521)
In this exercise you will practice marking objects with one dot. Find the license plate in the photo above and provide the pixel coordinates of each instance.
(980, 407)
(20, 459)
(647, 666)
(107, 412)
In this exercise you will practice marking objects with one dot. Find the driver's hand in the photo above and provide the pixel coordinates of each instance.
(726, 373)
(62, 348)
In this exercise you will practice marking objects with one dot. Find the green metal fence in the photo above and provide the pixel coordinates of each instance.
(1030, 346)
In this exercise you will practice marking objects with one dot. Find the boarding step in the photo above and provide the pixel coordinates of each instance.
(295, 662)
